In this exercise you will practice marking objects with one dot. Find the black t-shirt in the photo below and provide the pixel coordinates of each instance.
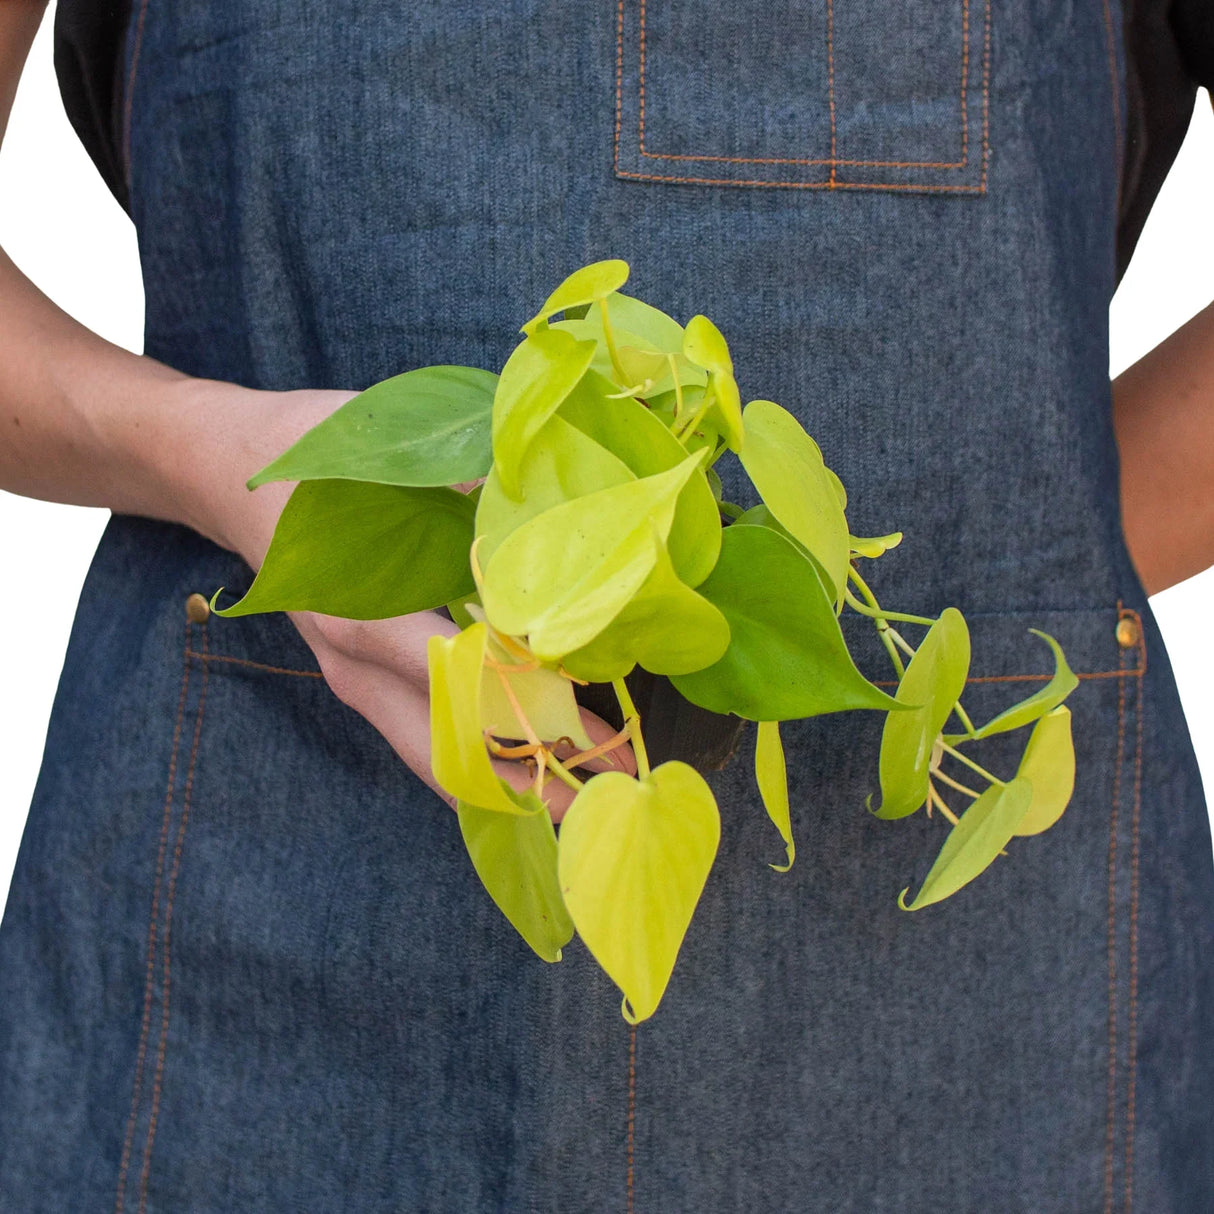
(1169, 47)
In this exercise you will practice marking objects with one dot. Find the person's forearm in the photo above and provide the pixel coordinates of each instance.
(1163, 414)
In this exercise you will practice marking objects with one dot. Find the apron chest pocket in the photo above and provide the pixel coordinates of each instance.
(825, 94)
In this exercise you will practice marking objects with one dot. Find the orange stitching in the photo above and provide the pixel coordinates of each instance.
(130, 93)
(986, 94)
(157, 1083)
(219, 657)
(830, 84)
(145, 1025)
(833, 161)
(619, 80)
(1111, 1098)
(1110, 41)
(632, 1109)
(810, 185)
(1133, 1038)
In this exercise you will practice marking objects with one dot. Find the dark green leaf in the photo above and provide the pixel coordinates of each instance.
(425, 427)
(364, 551)
(786, 657)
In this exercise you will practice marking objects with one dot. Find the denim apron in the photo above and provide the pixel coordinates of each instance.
(246, 964)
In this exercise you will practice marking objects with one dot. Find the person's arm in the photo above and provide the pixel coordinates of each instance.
(85, 422)
(1163, 414)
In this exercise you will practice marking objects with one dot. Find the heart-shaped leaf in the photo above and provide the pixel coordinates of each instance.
(1044, 700)
(584, 286)
(667, 628)
(786, 656)
(561, 464)
(364, 551)
(515, 857)
(771, 775)
(1049, 766)
(786, 467)
(562, 577)
(631, 432)
(458, 756)
(983, 831)
(933, 681)
(430, 426)
(537, 377)
(633, 859)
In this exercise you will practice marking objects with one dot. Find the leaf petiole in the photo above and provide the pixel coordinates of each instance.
(878, 614)
(558, 769)
(609, 335)
(986, 775)
(632, 722)
(934, 798)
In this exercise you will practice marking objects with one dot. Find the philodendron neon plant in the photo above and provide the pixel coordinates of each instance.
(598, 542)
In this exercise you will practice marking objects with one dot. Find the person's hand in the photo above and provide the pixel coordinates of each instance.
(377, 667)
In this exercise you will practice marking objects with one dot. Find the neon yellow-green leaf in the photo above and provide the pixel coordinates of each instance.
(667, 628)
(561, 464)
(537, 377)
(545, 697)
(933, 681)
(771, 775)
(786, 467)
(1049, 766)
(875, 546)
(340, 546)
(515, 857)
(984, 830)
(726, 410)
(633, 859)
(840, 491)
(457, 747)
(590, 328)
(705, 346)
(630, 431)
(562, 577)
(1035, 706)
(584, 286)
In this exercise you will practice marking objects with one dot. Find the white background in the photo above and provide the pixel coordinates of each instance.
(60, 224)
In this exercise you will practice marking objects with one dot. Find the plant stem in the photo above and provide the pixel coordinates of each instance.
(933, 797)
(965, 717)
(877, 614)
(558, 769)
(610, 339)
(986, 775)
(678, 387)
(969, 792)
(902, 643)
(698, 416)
(883, 628)
(632, 722)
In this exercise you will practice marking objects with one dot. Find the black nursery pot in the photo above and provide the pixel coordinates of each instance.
(674, 727)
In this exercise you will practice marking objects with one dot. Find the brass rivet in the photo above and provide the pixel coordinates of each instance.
(197, 609)
(1127, 632)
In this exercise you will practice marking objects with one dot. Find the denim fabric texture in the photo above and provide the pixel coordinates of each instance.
(246, 964)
